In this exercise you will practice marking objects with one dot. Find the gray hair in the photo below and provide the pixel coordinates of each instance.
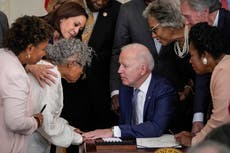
(142, 54)
(219, 148)
(166, 12)
(69, 49)
(201, 5)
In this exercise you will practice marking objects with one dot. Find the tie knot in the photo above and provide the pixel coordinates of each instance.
(136, 91)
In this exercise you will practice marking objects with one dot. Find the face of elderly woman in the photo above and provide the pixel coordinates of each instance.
(36, 52)
(70, 26)
(74, 71)
(196, 61)
(162, 34)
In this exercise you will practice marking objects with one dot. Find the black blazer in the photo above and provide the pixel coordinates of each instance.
(3, 27)
(98, 73)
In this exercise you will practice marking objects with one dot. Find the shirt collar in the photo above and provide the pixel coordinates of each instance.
(215, 23)
(145, 85)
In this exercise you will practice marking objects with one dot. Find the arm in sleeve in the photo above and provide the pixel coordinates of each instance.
(202, 96)
(16, 92)
(121, 38)
(220, 87)
(56, 129)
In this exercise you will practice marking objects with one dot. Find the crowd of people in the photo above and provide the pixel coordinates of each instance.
(98, 68)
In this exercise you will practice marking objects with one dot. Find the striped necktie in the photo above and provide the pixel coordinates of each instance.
(135, 107)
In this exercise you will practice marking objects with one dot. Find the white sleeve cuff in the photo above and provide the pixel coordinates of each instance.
(114, 92)
(117, 131)
(77, 139)
(198, 117)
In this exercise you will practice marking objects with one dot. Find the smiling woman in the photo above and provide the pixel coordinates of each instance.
(68, 19)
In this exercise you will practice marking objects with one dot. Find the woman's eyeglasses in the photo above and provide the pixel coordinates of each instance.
(154, 28)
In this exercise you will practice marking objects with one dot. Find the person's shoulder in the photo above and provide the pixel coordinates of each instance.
(8, 59)
(2, 14)
(54, 69)
(125, 88)
(161, 82)
(223, 10)
(225, 14)
(113, 4)
(130, 4)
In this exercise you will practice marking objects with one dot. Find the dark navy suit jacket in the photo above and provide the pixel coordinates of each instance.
(202, 89)
(159, 109)
(4, 26)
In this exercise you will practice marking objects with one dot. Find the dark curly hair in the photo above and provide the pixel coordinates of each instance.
(207, 38)
(27, 30)
(66, 10)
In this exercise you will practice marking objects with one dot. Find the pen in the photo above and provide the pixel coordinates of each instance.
(43, 108)
(170, 131)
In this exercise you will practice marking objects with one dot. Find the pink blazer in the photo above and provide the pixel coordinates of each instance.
(16, 122)
(220, 92)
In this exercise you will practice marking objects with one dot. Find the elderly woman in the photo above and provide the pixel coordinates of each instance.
(167, 26)
(207, 50)
(68, 58)
(24, 44)
(67, 20)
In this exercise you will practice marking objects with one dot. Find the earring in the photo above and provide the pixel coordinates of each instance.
(28, 56)
(204, 61)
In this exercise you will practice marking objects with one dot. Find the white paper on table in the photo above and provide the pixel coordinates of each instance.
(112, 139)
(163, 141)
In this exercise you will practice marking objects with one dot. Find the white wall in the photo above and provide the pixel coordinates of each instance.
(16, 8)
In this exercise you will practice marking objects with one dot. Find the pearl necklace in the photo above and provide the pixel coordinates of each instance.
(182, 53)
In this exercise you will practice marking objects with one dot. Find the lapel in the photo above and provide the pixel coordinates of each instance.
(149, 94)
(221, 19)
(127, 99)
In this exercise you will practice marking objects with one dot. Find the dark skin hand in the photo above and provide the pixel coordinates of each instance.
(184, 138)
(185, 93)
(115, 104)
(197, 126)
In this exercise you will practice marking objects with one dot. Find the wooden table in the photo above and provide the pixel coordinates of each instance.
(93, 146)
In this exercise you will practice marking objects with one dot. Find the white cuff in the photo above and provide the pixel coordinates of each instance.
(198, 117)
(116, 131)
(114, 92)
(77, 139)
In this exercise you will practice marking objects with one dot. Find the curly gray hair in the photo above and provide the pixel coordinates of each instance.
(166, 12)
(72, 49)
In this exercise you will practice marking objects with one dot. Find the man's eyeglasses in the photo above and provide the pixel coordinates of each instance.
(154, 28)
